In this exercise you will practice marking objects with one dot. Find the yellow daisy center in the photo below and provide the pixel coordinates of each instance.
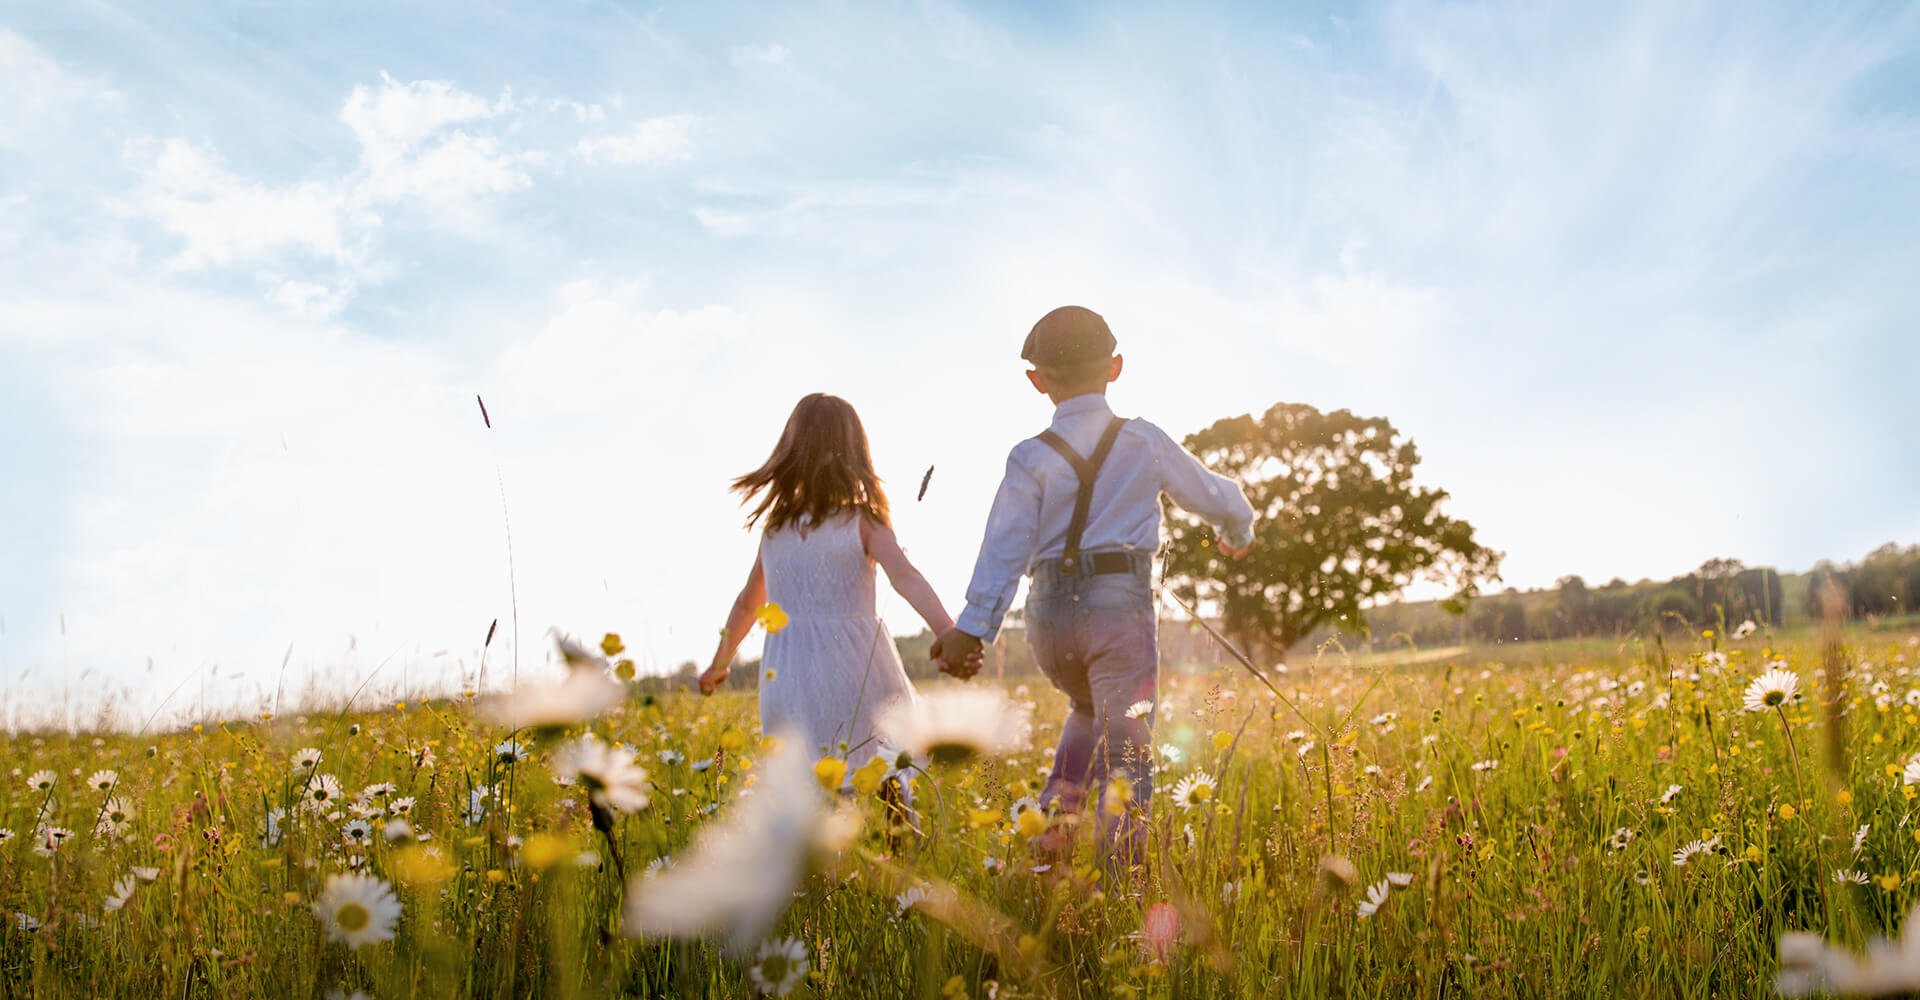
(352, 917)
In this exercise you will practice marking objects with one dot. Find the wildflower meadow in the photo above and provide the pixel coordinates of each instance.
(1723, 815)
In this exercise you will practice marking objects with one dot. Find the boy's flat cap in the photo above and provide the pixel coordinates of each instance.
(1069, 335)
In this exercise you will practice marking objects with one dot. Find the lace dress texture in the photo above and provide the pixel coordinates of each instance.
(831, 674)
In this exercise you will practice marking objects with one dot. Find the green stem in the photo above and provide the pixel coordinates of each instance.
(1819, 854)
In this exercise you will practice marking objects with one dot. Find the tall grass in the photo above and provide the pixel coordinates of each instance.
(1548, 872)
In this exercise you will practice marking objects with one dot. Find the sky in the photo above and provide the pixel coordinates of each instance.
(1637, 278)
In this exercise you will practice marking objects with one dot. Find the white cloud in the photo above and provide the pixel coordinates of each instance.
(40, 95)
(453, 172)
(431, 154)
(760, 54)
(665, 139)
(223, 219)
(410, 151)
(311, 300)
(394, 119)
(607, 344)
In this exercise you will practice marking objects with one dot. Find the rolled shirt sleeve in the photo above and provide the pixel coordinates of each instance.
(1202, 492)
(1005, 553)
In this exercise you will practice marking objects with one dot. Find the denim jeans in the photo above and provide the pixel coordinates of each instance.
(1095, 639)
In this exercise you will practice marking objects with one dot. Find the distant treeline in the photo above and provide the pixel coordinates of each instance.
(1722, 593)
(1884, 584)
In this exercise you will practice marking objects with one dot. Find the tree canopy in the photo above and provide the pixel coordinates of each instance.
(1342, 526)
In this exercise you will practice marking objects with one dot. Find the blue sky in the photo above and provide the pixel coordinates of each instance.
(1636, 277)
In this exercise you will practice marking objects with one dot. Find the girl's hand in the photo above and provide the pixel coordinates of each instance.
(714, 677)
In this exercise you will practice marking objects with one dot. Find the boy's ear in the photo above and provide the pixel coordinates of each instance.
(1039, 381)
(1119, 362)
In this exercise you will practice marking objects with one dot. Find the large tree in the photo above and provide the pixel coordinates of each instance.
(1342, 526)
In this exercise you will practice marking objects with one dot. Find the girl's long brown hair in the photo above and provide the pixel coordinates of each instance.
(821, 468)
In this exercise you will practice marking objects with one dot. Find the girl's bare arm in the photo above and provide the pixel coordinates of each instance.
(739, 623)
(884, 548)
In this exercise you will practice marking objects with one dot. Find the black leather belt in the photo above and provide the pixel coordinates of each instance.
(1107, 562)
(1097, 563)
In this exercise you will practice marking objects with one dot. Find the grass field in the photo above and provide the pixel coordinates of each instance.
(1610, 823)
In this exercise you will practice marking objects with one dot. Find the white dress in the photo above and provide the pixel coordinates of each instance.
(834, 669)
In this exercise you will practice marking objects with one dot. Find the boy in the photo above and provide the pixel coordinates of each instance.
(1079, 511)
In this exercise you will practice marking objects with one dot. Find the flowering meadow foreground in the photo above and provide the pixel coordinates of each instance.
(1615, 819)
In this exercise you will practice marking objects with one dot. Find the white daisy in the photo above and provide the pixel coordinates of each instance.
(476, 811)
(1667, 796)
(47, 840)
(357, 832)
(1170, 753)
(1486, 765)
(509, 752)
(306, 758)
(1400, 880)
(1139, 709)
(1620, 839)
(1693, 849)
(117, 811)
(1376, 897)
(40, 781)
(145, 874)
(585, 692)
(1424, 784)
(779, 967)
(1745, 629)
(1771, 690)
(952, 724)
(1860, 837)
(671, 757)
(1196, 789)
(611, 778)
(738, 875)
(321, 793)
(357, 909)
(103, 781)
(5, 836)
(121, 894)
(1809, 965)
(402, 806)
(1848, 876)
(270, 833)
(907, 899)
(397, 831)
(382, 790)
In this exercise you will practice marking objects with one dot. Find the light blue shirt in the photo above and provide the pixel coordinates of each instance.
(1028, 522)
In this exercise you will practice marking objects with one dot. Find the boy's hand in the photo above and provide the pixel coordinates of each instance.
(714, 677)
(1229, 551)
(959, 653)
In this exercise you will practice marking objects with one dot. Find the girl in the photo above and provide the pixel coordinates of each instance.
(832, 671)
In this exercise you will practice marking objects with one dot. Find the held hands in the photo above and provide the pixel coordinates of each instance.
(715, 676)
(1220, 542)
(959, 654)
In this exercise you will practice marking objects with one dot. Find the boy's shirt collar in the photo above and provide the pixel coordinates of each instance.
(1092, 402)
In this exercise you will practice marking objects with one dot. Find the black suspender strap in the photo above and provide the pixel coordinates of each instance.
(1087, 470)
